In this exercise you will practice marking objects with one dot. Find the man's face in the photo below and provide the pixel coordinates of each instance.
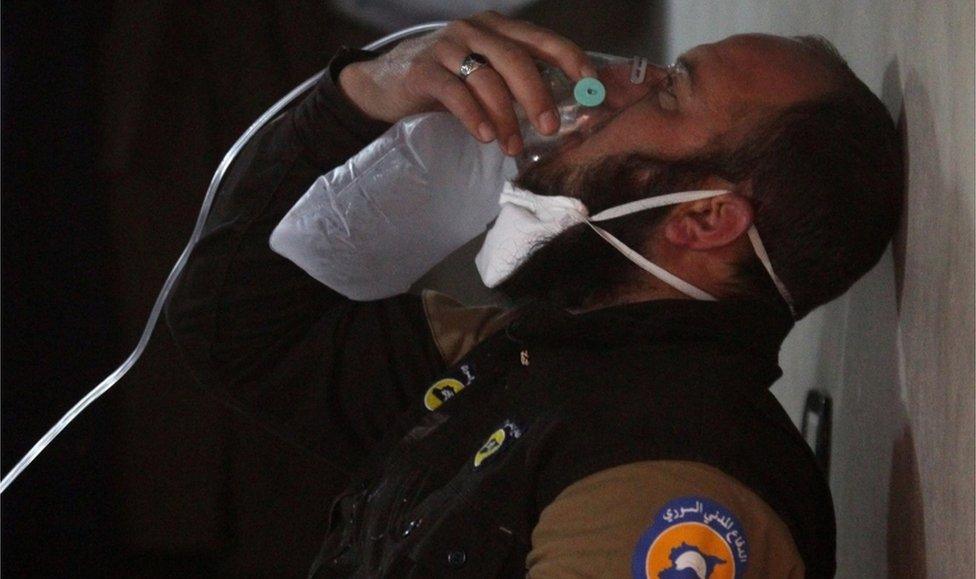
(707, 99)
(713, 95)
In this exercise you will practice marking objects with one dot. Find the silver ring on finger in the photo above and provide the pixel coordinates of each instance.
(471, 63)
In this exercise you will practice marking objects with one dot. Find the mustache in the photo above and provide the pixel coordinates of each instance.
(614, 179)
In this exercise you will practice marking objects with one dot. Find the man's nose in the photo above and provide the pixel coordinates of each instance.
(623, 92)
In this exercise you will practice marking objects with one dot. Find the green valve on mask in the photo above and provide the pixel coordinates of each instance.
(589, 92)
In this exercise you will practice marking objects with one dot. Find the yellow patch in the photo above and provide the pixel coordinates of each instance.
(490, 447)
(441, 392)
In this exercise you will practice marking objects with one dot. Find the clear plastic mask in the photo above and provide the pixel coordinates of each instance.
(582, 106)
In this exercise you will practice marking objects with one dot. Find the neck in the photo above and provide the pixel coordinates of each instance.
(633, 295)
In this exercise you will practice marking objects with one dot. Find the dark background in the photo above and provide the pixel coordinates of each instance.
(114, 117)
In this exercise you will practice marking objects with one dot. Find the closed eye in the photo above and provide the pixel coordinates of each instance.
(667, 96)
(670, 82)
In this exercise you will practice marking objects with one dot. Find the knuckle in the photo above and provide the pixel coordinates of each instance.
(515, 55)
(490, 16)
(419, 78)
(499, 104)
(415, 88)
(416, 73)
(563, 50)
(443, 49)
(553, 44)
(537, 105)
(462, 28)
(447, 87)
(454, 91)
(577, 54)
(504, 116)
(501, 115)
(440, 43)
(493, 83)
(492, 78)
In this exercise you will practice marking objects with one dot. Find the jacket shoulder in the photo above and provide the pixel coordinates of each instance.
(740, 431)
(646, 517)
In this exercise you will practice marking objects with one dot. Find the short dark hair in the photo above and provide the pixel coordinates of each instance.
(827, 181)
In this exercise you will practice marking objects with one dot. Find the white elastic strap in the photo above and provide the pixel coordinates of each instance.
(638, 69)
(655, 202)
(638, 259)
(664, 275)
(760, 249)
(655, 270)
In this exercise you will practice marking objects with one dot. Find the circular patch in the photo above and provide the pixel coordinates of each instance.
(692, 537)
(441, 392)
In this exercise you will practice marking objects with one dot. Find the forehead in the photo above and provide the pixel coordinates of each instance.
(757, 69)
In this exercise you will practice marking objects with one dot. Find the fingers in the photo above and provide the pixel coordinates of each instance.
(420, 75)
(541, 43)
(518, 70)
(521, 76)
(492, 93)
(487, 96)
(452, 93)
(511, 47)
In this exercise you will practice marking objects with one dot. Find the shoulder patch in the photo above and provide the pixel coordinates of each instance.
(695, 538)
(442, 391)
(498, 439)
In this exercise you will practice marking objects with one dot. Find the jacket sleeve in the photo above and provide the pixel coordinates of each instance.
(661, 519)
(311, 366)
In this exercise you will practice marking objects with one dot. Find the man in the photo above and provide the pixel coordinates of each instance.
(608, 425)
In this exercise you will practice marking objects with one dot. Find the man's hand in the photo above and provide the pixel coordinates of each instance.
(420, 75)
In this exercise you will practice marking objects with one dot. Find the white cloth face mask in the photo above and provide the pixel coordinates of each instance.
(526, 221)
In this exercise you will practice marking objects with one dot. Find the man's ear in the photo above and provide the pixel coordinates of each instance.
(709, 223)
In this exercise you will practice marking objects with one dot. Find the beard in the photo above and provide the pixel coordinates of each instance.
(577, 269)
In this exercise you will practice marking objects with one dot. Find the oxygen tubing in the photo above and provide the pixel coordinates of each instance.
(119, 372)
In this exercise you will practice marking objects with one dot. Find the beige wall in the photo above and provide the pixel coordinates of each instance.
(896, 352)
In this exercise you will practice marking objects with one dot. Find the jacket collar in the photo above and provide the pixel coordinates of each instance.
(747, 324)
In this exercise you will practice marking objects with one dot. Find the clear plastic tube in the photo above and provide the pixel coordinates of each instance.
(115, 376)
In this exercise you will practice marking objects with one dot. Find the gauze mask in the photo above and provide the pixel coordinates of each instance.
(526, 221)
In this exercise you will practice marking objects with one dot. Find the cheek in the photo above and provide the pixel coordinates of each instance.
(646, 129)
(621, 93)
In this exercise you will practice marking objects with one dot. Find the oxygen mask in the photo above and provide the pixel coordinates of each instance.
(583, 106)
